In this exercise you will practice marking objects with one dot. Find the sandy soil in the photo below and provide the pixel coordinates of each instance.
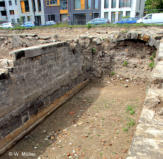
(95, 124)
(62, 34)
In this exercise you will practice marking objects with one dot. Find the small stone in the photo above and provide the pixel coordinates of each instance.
(160, 112)
(126, 85)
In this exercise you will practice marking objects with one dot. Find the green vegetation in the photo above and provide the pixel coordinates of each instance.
(93, 50)
(125, 63)
(152, 63)
(112, 73)
(130, 124)
(62, 25)
(125, 129)
(153, 6)
(130, 109)
(89, 26)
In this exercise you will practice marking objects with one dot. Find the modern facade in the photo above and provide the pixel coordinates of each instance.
(72, 11)
(16, 11)
(56, 10)
(69, 11)
(31, 10)
(114, 10)
(9, 10)
(81, 11)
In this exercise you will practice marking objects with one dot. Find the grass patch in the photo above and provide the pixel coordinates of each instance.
(89, 26)
(130, 109)
(93, 50)
(112, 73)
(130, 124)
(64, 25)
(125, 63)
(152, 64)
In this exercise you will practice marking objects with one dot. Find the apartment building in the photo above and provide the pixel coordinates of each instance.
(114, 10)
(72, 11)
(22, 10)
(56, 10)
(31, 10)
(9, 10)
(81, 11)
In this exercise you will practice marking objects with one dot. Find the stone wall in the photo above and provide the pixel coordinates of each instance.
(41, 78)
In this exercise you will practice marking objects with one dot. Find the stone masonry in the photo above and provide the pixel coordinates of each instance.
(148, 139)
(40, 78)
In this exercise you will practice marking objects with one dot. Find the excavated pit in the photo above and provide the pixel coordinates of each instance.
(119, 66)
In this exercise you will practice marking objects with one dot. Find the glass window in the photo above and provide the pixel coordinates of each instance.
(28, 18)
(63, 4)
(128, 13)
(88, 4)
(53, 2)
(113, 4)
(10, 3)
(106, 15)
(148, 16)
(77, 4)
(113, 17)
(106, 4)
(125, 3)
(96, 4)
(11, 12)
(39, 5)
(120, 15)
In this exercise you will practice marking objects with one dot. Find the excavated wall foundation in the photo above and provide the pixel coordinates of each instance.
(41, 78)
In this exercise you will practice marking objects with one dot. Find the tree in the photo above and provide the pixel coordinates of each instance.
(153, 5)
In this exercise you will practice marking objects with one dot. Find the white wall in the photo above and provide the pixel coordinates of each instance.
(133, 9)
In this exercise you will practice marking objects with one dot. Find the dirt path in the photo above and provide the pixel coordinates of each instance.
(98, 123)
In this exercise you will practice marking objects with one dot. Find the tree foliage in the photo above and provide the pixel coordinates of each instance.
(153, 4)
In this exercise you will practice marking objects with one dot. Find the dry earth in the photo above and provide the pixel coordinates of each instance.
(95, 124)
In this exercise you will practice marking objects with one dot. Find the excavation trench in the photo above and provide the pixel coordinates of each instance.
(100, 121)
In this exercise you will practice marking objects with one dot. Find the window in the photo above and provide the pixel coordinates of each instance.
(3, 13)
(26, 6)
(148, 16)
(113, 5)
(28, 18)
(12, 21)
(96, 4)
(124, 3)
(39, 5)
(88, 4)
(113, 17)
(2, 4)
(34, 6)
(18, 20)
(51, 17)
(51, 2)
(106, 15)
(106, 4)
(120, 15)
(11, 12)
(15, 2)
(10, 3)
(63, 4)
(128, 13)
(77, 4)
